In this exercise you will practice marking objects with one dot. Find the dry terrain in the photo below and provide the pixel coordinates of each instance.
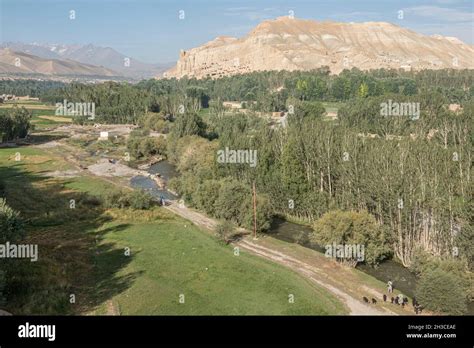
(295, 44)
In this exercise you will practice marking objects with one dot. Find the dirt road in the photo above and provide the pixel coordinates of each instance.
(310, 272)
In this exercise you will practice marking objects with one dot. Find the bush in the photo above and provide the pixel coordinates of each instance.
(90, 201)
(424, 263)
(14, 123)
(11, 230)
(138, 200)
(225, 231)
(441, 291)
(146, 147)
(112, 199)
(11, 225)
(156, 122)
(349, 227)
(139, 132)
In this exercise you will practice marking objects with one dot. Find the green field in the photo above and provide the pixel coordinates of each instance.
(38, 111)
(82, 252)
(170, 259)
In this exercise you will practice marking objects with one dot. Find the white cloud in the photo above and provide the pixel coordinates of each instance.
(253, 13)
(447, 2)
(461, 31)
(440, 13)
(356, 16)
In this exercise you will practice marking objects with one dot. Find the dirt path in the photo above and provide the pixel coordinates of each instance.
(197, 218)
(355, 307)
(311, 272)
(112, 308)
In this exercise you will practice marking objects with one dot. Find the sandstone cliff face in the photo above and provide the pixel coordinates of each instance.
(294, 44)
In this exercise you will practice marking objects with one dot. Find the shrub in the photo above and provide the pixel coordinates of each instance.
(225, 231)
(139, 200)
(424, 263)
(349, 227)
(146, 147)
(112, 199)
(11, 229)
(14, 123)
(90, 201)
(156, 122)
(139, 132)
(441, 291)
(11, 225)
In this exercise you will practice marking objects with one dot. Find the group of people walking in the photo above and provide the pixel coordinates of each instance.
(399, 300)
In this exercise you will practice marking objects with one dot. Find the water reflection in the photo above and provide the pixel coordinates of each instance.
(149, 185)
(166, 171)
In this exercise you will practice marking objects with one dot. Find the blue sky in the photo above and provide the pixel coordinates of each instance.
(151, 30)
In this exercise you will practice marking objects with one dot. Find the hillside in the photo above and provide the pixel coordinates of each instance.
(295, 44)
(23, 63)
(93, 55)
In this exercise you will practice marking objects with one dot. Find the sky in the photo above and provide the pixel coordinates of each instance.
(154, 31)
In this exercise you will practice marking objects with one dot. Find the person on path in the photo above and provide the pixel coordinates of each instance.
(390, 286)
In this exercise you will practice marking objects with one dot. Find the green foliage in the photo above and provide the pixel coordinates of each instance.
(225, 231)
(155, 122)
(198, 96)
(306, 109)
(234, 194)
(441, 291)
(11, 230)
(349, 227)
(188, 124)
(424, 263)
(146, 146)
(113, 199)
(114, 102)
(363, 90)
(14, 123)
(33, 88)
(465, 240)
(227, 199)
(137, 199)
(11, 225)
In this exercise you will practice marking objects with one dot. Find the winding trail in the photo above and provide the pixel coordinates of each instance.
(310, 272)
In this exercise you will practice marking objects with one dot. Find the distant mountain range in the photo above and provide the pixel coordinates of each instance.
(104, 59)
(295, 44)
(12, 62)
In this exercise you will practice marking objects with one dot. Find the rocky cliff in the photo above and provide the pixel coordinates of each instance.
(295, 44)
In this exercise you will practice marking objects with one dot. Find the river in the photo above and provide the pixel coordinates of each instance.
(166, 171)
